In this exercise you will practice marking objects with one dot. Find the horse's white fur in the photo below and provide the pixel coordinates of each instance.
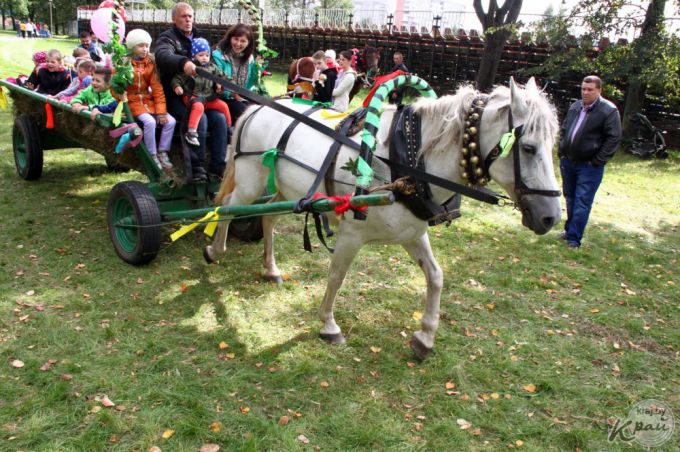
(442, 129)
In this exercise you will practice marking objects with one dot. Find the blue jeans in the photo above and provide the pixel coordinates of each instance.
(219, 134)
(580, 182)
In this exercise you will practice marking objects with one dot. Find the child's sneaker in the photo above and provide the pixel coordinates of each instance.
(165, 161)
(156, 161)
(192, 138)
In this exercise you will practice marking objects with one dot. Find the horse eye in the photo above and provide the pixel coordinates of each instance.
(529, 149)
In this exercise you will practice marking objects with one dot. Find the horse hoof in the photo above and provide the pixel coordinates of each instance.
(420, 350)
(207, 257)
(335, 339)
(276, 279)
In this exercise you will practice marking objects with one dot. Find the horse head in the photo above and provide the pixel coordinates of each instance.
(370, 60)
(523, 168)
(301, 77)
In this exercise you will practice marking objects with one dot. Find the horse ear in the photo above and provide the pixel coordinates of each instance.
(531, 85)
(517, 102)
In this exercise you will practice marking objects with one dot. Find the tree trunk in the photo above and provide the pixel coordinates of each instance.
(637, 88)
(488, 66)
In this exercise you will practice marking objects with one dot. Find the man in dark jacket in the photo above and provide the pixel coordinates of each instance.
(589, 137)
(173, 56)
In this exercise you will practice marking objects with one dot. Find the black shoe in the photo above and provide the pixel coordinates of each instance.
(199, 174)
(212, 177)
(573, 245)
(561, 236)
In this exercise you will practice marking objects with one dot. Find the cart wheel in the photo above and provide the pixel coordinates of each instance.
(247, 229)
(134, 222)
(28, 152)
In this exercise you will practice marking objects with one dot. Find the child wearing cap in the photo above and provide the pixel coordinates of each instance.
(146, 98)
(199, 92)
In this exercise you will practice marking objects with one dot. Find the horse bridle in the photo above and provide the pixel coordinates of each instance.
(476, 168)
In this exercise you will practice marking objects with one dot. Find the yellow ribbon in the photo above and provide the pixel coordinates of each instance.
(211, 218)
(3, 100)
(332, 115)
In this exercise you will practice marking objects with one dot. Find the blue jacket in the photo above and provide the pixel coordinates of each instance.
(225, 66)
(597, 138)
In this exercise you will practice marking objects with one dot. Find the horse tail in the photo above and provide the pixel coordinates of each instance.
(229, 178)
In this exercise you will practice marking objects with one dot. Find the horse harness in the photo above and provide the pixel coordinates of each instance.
(475, 167)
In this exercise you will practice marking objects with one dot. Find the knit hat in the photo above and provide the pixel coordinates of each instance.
(40, 57)
(330, 53)
(137, 36)
(199, 45)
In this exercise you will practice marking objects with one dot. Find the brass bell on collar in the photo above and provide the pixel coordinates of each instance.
(464, 151)
(470, 111)
(466, 137)
(463, 163)
(472, 130)
(479, 172)
(474, 159)
(482, 181)
(467, 123)
(475, 116)
(465, 175)
(473, 146)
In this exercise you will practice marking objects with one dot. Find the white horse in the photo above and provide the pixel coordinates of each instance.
(443, 126)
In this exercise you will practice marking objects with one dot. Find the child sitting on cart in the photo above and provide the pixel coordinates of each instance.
(146, 98)
(199, 92)
(96, 97)
(52, 78)
(85, 69)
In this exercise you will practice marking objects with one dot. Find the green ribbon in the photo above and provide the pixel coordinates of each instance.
(507, 141)
(269, 159)
(313, 103)
(365, 173)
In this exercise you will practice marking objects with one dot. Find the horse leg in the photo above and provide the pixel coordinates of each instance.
(272, 272)
(421, 252)
(346, 248)
(212, 253)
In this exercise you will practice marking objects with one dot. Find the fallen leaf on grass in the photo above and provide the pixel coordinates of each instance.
(468, 333)
(30, 293)
(140, 281)
(495, 396)
(245, 409)
(154, 449)
(215, 427)
(209, 448)
(463, 424)
(594, 310)
(303, 439)
(450, 385)
(223, 345)
(114, 438)
(183, 287)
(48, 365)
(17, 363)
(375, 349)
(104, 400)
(529, 388)
(410, 364)
(519, 443)
(67, 377)
(477, 432)
(168, 434)
(324, 384)
(284, 420)
(417, 315)
(95, 409)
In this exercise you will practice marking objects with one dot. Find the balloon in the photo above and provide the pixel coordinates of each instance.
(110, 4)
(101, 22)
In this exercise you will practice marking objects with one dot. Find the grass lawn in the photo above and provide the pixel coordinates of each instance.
(539, 347)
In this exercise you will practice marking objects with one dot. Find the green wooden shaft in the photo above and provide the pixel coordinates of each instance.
(279, 207)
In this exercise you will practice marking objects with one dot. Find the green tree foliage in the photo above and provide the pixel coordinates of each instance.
(649, 65)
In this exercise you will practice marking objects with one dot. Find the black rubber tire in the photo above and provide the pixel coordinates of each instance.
(247, 229)
(133, 200)
(27, 146)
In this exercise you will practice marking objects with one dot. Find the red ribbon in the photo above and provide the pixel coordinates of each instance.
(49, 123)
(344, 203)
(379, 81)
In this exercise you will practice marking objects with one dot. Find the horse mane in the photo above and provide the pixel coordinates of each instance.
(541, 120)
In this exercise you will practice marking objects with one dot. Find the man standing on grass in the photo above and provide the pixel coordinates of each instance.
(589, 137)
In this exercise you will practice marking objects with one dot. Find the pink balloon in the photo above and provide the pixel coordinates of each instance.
(101, 23)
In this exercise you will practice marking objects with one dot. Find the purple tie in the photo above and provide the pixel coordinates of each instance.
(579, 121)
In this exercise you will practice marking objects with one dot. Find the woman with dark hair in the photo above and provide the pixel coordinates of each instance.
(344, 82)
(234, 56)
